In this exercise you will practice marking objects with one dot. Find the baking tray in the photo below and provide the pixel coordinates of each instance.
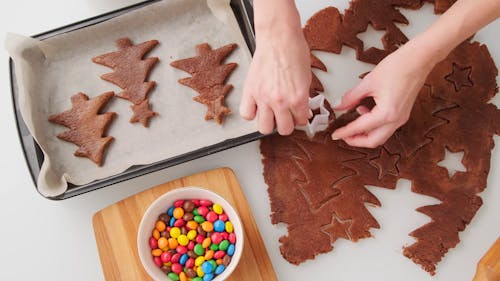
(33, 154)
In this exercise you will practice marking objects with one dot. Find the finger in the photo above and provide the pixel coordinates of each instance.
(372, 139)
(248, 107)
(364, 123)
(284, 122)
(353, 96)
(301, 113)
(362, 109)
(266, 119)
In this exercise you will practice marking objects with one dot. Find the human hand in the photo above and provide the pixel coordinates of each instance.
(277, 86)
(394, 85)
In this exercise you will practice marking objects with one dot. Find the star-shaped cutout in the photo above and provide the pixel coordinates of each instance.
(142, 113)
(453, 162)
(460, 77)
(319, 121)
(386, 163)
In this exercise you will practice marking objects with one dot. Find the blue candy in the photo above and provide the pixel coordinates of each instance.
(183, 259)
(170, 211)
(220, 268)
(230, 250)
(172, 221)
(219, 226)
(208, 276)
(207, 267)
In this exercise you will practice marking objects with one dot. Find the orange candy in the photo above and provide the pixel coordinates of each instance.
(178, 213)
(156, 252)
(156, 234)
(160, 225)
(172, 243)
(207, 226)
(191, 225)
(206, 242)
(162, 242)
(209, 255)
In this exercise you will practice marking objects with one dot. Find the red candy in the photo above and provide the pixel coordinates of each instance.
(199, 239)
(216, 237)
(190, 263)
(232, 238)
(225, 236)
(203, 210)
(205, 202)
(179, 203)
(212, 216)
(190, 245)
(179, 223)
(166, 256)
(181, 249)
(153, 243)
(177, 268)
(196, 202)
(175, 258)
(223, 217)
(219, 254)
(158, 261)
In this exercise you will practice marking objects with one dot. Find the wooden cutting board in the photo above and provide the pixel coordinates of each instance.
(116, 229)
(488, 268)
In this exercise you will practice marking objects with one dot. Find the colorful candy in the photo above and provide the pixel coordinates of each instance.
(193, 240)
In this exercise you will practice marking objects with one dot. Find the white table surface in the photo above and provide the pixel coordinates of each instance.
(48, 240)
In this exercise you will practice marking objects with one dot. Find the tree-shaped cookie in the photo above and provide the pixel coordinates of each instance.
(208, 77)
(130, 73)
(86, 125)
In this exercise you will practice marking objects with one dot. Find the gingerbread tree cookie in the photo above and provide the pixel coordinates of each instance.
(130, 73)
(208, 77)
(86, 125)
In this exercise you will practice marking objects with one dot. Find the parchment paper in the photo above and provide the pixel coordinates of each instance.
(49, 72)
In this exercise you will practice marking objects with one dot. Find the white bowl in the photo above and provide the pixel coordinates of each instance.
(161, 205)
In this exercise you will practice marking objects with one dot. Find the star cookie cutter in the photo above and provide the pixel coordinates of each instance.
(319, 121)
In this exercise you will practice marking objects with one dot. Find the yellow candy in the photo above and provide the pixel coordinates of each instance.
(178, 213)
(162, 242)
(156, 252)
(191, 235)
(175, 232)
(206, 242)
(200, 272)
(217, 209)
(160, 225)
(207, 226)
(183, 240)
(229, 227)
(199, 261)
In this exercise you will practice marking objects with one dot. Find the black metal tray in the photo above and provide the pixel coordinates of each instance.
(33, 154)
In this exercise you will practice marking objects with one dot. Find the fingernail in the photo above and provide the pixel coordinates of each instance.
(334, 138)
(310, 113)
(359, 111)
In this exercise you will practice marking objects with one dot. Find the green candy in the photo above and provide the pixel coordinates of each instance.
(195, 212)
(214, 247)
(173, 276)
(198, 249)
(224, 245)
(197, 279)
(213, 263)
(199, 219)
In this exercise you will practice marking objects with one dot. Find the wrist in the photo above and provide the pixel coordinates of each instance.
(276, 18)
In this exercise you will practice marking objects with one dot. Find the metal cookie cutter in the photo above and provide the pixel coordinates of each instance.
(319, 121)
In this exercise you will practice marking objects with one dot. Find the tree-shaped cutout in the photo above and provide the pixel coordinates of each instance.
(130, 73)
(86, 125)
(208, 78)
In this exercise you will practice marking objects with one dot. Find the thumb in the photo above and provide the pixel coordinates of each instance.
(354, 96)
